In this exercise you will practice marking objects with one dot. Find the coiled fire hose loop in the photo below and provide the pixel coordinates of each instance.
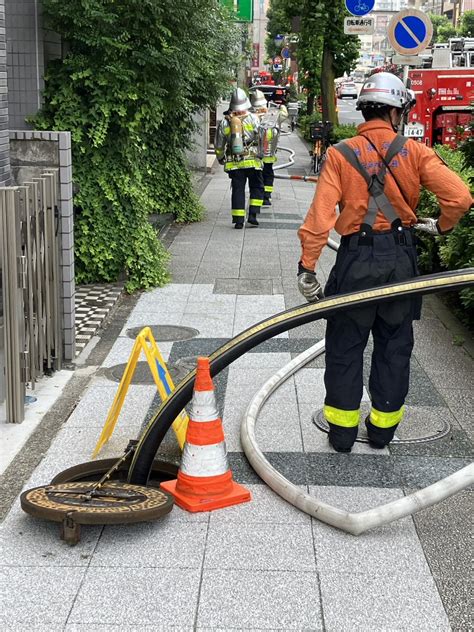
(156, 429)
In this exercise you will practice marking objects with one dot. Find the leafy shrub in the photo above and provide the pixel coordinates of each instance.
(339, 132)
(455, 250)
(134, 74)
(305, 121)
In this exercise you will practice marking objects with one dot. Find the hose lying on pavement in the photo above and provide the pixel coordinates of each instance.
(354, 523)
(156, 429)
(285, 165)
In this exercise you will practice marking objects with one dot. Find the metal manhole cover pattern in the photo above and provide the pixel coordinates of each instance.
(113, 503)
(406, 433)
(166, 333)
(142, 374)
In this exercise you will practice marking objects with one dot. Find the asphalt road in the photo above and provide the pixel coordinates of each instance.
(348, 113)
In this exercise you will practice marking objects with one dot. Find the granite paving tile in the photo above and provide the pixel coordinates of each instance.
(278, 426)
(94, 406)
(259, 600)
(407, 602)
(136, 597)
(394, 547)
(266, 507)
(38, 596)
(248, 304)
(209, 325)
(259, 547)
(158, 544)
(448, 547)
(28, 542)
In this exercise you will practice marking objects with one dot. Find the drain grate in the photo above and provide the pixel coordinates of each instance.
(166, 333)
(408, 432)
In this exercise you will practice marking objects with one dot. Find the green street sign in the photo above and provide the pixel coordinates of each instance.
(243, 9)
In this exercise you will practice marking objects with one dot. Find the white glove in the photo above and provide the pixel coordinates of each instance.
(428, 225)
(310, 287)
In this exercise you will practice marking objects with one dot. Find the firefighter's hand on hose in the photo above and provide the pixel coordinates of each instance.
(308, 285)
(428, 225)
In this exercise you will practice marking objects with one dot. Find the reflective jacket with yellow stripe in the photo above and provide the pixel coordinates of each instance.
(223, 147)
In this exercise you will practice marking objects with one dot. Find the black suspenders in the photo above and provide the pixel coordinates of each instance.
(378, 201)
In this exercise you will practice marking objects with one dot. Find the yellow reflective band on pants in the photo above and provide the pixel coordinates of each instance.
(254, 202)
(269, 159)
(239, 212)
(386, 420)
(243, 164)
(339, 417)
(268, 189)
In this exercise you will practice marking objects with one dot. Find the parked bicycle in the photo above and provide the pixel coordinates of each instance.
(320, 135)
(293, 108)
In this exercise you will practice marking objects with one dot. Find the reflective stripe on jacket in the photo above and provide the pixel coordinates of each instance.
(340, 184)
(222, 144)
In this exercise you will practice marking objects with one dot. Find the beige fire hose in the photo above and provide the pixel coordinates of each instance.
(354, 523)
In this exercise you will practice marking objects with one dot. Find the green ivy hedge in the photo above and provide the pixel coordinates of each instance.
(455, 250)
(134, 74)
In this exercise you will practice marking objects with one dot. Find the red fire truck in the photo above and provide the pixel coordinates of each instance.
(444, 98)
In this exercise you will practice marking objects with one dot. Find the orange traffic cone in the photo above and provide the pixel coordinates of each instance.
(204, 479)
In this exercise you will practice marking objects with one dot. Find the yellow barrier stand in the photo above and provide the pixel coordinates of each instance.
(146, 343)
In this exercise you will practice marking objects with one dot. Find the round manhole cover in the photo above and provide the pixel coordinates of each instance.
(143, 374)
(166, 333)
(409, 431)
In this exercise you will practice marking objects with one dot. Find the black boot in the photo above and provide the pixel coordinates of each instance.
(341, 438)
(379, 438)
(252, 219)
(267, 201)
(239, 225)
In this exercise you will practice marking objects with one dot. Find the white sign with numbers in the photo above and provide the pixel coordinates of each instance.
(414, 130)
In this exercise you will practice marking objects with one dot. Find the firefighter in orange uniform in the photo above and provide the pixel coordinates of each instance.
(375, 179)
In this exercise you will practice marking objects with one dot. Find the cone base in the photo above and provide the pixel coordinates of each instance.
(194, 504)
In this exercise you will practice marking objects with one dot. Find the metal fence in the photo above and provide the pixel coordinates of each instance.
(30, 262)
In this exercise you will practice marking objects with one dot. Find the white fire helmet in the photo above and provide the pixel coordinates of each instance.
(258, 100)
(239, 101)
(384, 88)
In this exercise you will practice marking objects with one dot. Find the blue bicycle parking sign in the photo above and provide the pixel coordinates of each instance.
(359, 7)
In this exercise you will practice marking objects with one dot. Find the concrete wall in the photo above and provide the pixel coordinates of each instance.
(197, 157)
(29, 48)
(32, 153)
(24, 59)
(4, 146)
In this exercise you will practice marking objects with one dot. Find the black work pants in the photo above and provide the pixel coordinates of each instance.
(359, 266)
(239, 179)
(268, 179)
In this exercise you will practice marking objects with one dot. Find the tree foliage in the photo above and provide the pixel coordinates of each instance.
(135, 73)
(323, 52)
(443, 28)
(455, 250)
(466, 25)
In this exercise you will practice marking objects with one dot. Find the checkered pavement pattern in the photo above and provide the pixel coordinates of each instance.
(93, 304)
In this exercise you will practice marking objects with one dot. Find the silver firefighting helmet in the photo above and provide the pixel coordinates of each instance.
(384, 88)
(239, 101)
(258, 100)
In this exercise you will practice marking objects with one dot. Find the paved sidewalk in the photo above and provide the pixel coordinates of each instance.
(263, 565)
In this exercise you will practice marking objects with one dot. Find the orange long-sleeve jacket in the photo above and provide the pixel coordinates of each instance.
(340, 184)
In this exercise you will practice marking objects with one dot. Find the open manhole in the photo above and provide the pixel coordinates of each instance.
(166, 333)
(143, 374)
(410, 430)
